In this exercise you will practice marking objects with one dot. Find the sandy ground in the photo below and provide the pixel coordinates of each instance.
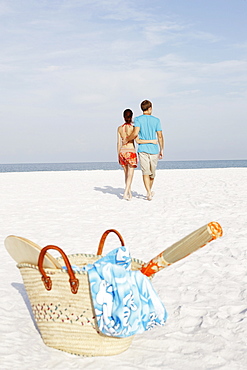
(205, 294)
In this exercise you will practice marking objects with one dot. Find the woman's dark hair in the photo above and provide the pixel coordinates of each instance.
(128, 114)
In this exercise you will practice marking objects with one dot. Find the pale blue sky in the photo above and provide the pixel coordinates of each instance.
(70, 67)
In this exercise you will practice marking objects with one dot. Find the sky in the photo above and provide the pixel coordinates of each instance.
(69, 68)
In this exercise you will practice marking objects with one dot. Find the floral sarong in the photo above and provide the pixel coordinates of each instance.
(125, 301)
(128, 159)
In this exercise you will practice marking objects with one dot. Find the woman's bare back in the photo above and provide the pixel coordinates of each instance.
(124, 131)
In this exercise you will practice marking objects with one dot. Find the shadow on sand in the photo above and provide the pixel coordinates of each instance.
(21, 289)
(118, 192)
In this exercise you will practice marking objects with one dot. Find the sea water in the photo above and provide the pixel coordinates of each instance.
(90, 166)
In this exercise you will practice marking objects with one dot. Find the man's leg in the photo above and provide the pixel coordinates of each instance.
(148, 178)
(153, 165)
(148, 183)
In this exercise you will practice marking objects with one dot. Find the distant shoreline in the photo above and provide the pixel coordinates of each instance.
(90, 166)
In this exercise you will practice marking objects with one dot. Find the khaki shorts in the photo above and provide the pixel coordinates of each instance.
(148, 163)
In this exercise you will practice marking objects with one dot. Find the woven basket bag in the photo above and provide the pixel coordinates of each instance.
(62, 306)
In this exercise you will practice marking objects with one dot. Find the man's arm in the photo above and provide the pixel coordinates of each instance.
(132, 136)
(161, 142)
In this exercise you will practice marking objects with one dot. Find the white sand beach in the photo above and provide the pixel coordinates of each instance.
(205, 294)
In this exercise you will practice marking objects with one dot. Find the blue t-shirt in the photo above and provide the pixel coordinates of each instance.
(149, 125)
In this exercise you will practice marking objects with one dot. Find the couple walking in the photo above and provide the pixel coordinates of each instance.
(148, 135)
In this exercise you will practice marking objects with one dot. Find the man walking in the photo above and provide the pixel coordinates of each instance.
(148, 127)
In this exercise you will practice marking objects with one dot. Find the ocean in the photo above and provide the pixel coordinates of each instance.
(90, 166)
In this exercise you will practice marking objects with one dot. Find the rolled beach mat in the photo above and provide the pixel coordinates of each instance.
(183, 248)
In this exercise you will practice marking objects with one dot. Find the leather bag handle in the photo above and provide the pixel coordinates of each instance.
(103, 238)
(74, 282)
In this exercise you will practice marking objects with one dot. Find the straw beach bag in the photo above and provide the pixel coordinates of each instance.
(61, 298)
(62, 305)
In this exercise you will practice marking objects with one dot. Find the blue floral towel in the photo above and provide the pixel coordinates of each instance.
(125, 301)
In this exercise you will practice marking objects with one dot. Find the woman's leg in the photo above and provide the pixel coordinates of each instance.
(125, 168)
(129, 178)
